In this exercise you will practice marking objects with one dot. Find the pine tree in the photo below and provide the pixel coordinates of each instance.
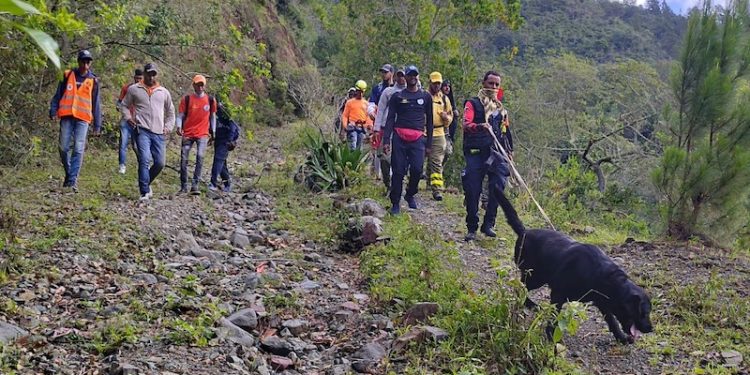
(705, 172)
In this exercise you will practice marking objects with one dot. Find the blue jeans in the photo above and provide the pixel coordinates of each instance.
(151, 149)
(72, 131)
(127, 136)
(354, 137)
(187, 144)
(406, 156)
(219, 168)
(472, 177)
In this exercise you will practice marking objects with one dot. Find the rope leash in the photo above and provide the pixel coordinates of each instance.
(520, 179)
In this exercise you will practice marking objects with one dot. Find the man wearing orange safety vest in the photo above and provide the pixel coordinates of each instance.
(76, 104)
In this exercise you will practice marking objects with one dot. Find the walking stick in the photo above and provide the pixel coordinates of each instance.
(519, 178)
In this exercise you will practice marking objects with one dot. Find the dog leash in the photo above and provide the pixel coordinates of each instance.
(519, 178)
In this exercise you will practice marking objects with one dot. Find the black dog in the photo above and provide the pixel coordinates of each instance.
(578, 272)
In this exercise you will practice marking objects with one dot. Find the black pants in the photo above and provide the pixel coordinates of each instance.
(406, 156)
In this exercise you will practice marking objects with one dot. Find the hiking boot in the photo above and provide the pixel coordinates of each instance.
(412, 202)
(437, 196)
(488, 232)
(122, 169)
(194, 190)
(395, 210)
(471, 236)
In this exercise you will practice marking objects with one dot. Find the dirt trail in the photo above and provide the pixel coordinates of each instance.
(148, 292)
(661, 268)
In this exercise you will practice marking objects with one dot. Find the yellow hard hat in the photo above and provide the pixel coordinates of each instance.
(361, 85)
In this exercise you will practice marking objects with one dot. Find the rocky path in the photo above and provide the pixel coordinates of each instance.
(182, 285)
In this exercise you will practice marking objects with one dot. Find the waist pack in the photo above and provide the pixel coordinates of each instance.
(409, 135)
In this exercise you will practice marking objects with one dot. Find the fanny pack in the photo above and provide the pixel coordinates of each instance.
(409, 135)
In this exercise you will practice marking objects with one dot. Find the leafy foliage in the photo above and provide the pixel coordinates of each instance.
(354, 43)
(330, 165)
(704, 174)
(46, 44)
(600, 30)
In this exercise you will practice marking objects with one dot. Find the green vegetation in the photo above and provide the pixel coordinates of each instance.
(330, 165)
(599, 30)
(704, 174)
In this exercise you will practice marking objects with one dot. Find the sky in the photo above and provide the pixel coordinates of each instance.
(682, 6)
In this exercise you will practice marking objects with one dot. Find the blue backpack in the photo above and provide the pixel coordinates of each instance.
(226, 128)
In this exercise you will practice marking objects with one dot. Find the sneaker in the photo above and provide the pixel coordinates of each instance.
(183, 190)
(227, 188)
(488, 232)
(74, 187)
(471, 236)
(212, 187)
(412, 202)
(437, 196)
(122, 169)
(395, 210)
(194, 190)
(150, 193)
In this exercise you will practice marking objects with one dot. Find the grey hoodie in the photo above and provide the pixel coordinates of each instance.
(382, 115)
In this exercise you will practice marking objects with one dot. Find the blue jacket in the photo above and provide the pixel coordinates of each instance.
(96, 105)
(377, 91)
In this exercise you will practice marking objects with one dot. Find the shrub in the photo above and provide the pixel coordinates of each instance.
(330, 165)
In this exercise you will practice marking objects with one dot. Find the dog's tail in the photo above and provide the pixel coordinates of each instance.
(510, 213)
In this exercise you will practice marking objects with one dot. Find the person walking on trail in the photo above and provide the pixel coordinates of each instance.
(442, 117)
(447, 90)
(386, 73)
(379, 126)
(337, 122)
(153, 120)
(76, 104)
(409, 114)
(126, 131)
(354, 117)
(227, 134)
(196, 122)
(483, 114)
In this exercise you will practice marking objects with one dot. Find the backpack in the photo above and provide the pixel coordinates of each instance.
(229, 128)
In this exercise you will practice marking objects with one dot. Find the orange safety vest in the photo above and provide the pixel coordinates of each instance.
(77, 101)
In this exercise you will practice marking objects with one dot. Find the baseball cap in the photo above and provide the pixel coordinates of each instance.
(386, 68)
(411, 70)
(199, 78)
(150, 67)
(138, 72)
(436, 77)
(400, 71)
(85, 55)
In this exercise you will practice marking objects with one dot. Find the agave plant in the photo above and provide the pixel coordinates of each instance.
(330, 165)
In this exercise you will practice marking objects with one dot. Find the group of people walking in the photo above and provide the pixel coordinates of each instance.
(404, 122)
(148, 116)
(407, 124)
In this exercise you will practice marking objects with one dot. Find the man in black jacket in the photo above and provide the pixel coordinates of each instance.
(484, 116)
(410, 118)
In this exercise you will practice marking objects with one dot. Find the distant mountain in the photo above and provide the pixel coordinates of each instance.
(601, 30)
